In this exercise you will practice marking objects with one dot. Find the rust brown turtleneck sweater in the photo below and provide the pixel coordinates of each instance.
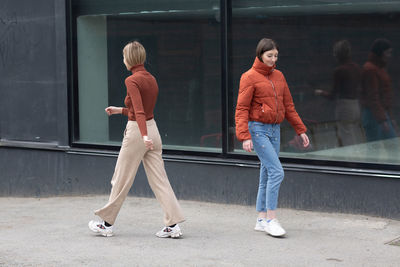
(377, 93)
(141, 97)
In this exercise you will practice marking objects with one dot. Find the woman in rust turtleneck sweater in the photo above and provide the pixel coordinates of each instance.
(264, 101)
(141, 142)
(346, 92)
(377, 93)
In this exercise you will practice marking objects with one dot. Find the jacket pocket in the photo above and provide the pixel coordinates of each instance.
(265, 108)
(266, 113)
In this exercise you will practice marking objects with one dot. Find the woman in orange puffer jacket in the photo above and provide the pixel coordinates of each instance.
(264, 101)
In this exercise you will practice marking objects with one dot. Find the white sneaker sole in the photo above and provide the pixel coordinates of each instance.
(259, 229)
(176, 235)
(172, 235)
(274, 235)
(97, 231)
(107, 235)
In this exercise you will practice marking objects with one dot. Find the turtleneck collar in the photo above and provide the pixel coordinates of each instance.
(262, 68)
(137, 68)
(376, 60)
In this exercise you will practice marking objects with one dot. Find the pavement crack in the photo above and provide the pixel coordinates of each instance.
(334, 259)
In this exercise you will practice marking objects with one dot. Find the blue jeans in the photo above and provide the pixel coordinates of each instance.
(266, 142)
(374, 130)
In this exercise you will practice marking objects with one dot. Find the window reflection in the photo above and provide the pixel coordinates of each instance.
(325, 53)
(325, 47)
(346, 90)
(183, 54)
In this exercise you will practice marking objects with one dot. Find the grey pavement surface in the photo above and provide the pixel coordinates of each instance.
(54, 232)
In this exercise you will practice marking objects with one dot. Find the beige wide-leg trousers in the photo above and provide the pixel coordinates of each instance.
(132, 152)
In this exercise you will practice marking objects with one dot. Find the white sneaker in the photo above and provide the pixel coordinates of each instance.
(261, 224)
(100, 228)
(274, 228)
(173, 232)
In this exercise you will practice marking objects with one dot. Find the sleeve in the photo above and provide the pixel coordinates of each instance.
(125, 111)
(136, 98)
(290, 112)
(337, 79)
(245, 96)
(370, 84)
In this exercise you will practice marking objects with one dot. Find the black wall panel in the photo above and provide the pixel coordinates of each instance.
(43, 173)
(33, 96)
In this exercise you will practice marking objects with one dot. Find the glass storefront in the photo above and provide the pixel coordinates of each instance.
(183, 53)
(337, 121)
(347, 122)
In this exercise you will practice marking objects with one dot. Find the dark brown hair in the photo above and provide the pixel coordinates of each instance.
(380, 45)
(265, 44)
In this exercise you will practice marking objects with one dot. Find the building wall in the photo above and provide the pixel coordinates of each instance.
(33, 69)
(45, 173)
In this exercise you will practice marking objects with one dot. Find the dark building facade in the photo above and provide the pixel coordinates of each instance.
(61, 65)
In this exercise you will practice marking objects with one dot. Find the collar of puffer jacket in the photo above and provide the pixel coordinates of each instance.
(262, 68)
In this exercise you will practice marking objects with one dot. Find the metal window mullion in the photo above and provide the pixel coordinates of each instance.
(225, 15)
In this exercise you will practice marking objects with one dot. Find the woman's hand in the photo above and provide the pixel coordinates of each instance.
(148, 142)
(248, 145)
(304, 138)
(111, 110)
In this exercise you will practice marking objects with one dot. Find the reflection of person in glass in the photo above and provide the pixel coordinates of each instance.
(346, 90)
(141, 142)
(264, 101)
(377, 93)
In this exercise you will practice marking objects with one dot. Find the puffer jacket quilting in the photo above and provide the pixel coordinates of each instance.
(264, 96)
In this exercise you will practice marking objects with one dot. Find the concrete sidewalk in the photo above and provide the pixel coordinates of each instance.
(54, 232)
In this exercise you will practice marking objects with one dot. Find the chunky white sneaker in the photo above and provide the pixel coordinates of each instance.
(261, 224)
(274, 228)
(100, 228)
(173, 232)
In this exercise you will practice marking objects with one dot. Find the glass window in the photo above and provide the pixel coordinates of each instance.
(345, 94)
(182, 40)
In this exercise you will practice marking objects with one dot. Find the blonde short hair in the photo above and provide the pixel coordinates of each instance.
(134, 53)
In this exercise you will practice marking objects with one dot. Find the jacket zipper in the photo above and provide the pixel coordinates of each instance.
(276, 100)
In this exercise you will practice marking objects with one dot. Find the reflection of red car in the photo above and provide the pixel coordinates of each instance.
(215, 137)
(322, 135)
(297, 144)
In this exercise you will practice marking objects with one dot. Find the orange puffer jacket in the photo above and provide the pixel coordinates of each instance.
(264, 96)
